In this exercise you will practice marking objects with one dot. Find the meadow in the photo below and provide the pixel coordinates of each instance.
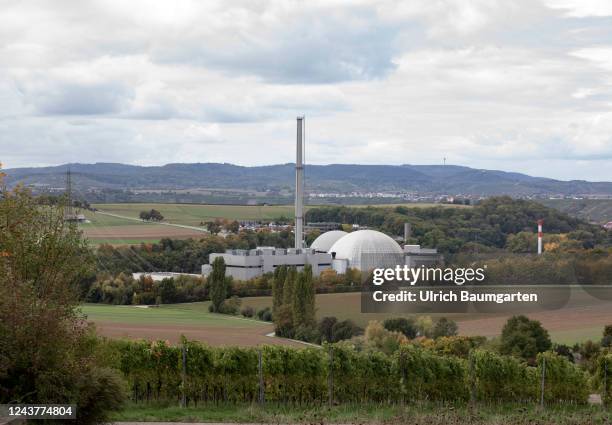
(582, 319)
(169, 322)
(119, 224)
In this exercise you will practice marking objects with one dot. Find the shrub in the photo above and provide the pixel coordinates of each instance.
(403, 325)
(247, 311)
(99, 390)
(345, 329)
(265, 314)
(524, 338)
(307, 333)
(48, 353)
(444, 327)
(326, 328)
(606, 341)
(230, 306)
(378, 337)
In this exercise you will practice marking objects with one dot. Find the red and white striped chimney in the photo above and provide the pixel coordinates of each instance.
(540, 223)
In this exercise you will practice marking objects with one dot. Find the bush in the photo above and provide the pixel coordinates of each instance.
(606, 341)
(307, 334)
(524, 338)
(99, 390)
(48, 353)
(247, 311)
(345, 329)
(265, 314)
(326, 326)
(230, 306)
(378, 337)
(444, 327)
(403, 325)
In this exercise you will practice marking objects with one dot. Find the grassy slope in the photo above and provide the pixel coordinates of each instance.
(165, 315)
(348, 306)
(184, 214)
(594, 210)
(423, 413)
(192, 214)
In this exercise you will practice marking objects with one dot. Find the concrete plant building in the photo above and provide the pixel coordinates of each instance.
(243, 264)
(360, 249)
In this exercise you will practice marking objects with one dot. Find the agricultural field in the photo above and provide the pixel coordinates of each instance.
(116, 230)
(580, 320)
(194, 214)
(172, 321)
(119, 224)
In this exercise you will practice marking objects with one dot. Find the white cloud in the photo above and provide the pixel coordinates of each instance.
(491, 84)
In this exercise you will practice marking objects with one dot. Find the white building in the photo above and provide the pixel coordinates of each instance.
(244, 264)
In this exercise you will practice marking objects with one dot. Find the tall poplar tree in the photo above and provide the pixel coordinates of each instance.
(218, 288)
(278, 282)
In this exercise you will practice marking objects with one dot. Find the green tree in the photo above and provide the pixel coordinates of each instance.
(48, 353)
(155, 215)
(167, 291)
(288, 287)
(218, 286)
(606, 341)
(303, 298)
(444, 327)
(403, 325)
(524, 338)
(145, 215)
(213, 227)
(278, 281)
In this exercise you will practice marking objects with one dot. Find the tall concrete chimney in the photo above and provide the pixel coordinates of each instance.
(299, 185)
(407, 232)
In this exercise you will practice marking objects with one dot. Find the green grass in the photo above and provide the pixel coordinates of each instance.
(194, 214)
(164, 315)
(424, 413)
(116, 241)
(101, 220)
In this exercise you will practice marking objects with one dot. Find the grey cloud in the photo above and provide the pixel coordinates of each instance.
(65, 98)
(318, 49)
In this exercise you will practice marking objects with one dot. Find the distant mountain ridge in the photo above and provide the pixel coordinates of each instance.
(337, 178)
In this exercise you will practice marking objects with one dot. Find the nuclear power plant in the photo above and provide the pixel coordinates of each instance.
(335, 249)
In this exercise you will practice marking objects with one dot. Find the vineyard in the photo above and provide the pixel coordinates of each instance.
(193, 374)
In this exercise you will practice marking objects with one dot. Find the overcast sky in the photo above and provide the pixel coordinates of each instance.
(514, 85)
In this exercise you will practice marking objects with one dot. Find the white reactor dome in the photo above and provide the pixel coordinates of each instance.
(367, 249)
(325, 240)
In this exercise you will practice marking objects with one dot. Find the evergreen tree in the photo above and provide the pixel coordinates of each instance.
(309, 295)
(289, 285)
(280, 274)
(303, 298)
(218, 287)
(298, 306)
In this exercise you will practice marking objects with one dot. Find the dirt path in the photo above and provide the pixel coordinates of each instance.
(161, 223)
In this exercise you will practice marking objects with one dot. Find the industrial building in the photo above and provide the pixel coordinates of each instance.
(243, 264)
(361, 249)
